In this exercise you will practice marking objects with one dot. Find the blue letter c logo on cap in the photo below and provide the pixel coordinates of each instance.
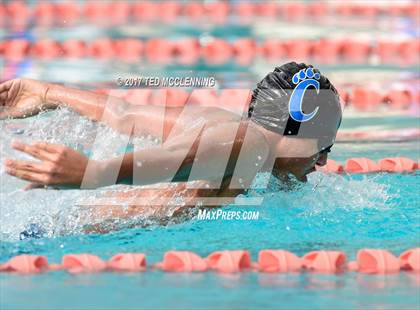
(304, 78)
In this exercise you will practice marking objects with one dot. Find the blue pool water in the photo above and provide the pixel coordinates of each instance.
(335, 212)
(332, 212)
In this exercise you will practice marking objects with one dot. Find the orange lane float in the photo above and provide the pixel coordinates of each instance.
(368, 261)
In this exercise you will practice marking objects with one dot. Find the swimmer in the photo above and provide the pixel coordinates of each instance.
(267, 137)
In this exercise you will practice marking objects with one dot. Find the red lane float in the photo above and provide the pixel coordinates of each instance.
(331, 166)
(273, 50)
(67, 13)
(410, 260)
(74, 48)
(169, 11)
(369, 261)
(229, 261)
(82, 263)
(366, 165)
(399, 99)
(397, 164)
(245, 51)
(325, 261)
(15, 49)
(145, 11)
(128, 49)
(133, 262)
(182, 261)
(365, 99)
(102, 48)
(278, 261)
(236, 97)
(18, 14)
(375, 261)
(26, 264)
(406, 134)
(195, 11)
(360, 165)
(46, 49)
(217, 11)
(217, 51)
(44, 13)
(159, 50)
(118, 12)
(187, 51)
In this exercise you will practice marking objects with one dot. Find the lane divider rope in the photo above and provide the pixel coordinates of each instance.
(360, 98)
(18, 13)
(366, 165)
(243, 51)
(368, 261)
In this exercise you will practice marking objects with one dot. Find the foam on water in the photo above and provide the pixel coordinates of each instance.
(51, 208)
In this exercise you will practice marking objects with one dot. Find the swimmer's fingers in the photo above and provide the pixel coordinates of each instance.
(34, 177)
(3, 97)
(33, 186)
(4, 94)
(10, 112)
(38, 150)
(50, 148)
(8, 91)
(5, 86)
(4, 89)
(24, 165)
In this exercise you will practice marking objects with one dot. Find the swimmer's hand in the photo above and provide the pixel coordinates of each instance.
(57, 165)
(23, 97)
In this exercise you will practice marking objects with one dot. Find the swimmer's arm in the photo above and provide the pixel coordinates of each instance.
(115, 112)
(22, 98)
(173, 161)
(86, 103)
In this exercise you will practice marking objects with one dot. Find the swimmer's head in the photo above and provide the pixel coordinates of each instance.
(303, 143)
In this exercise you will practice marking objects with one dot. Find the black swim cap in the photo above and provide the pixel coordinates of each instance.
(269, 105)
